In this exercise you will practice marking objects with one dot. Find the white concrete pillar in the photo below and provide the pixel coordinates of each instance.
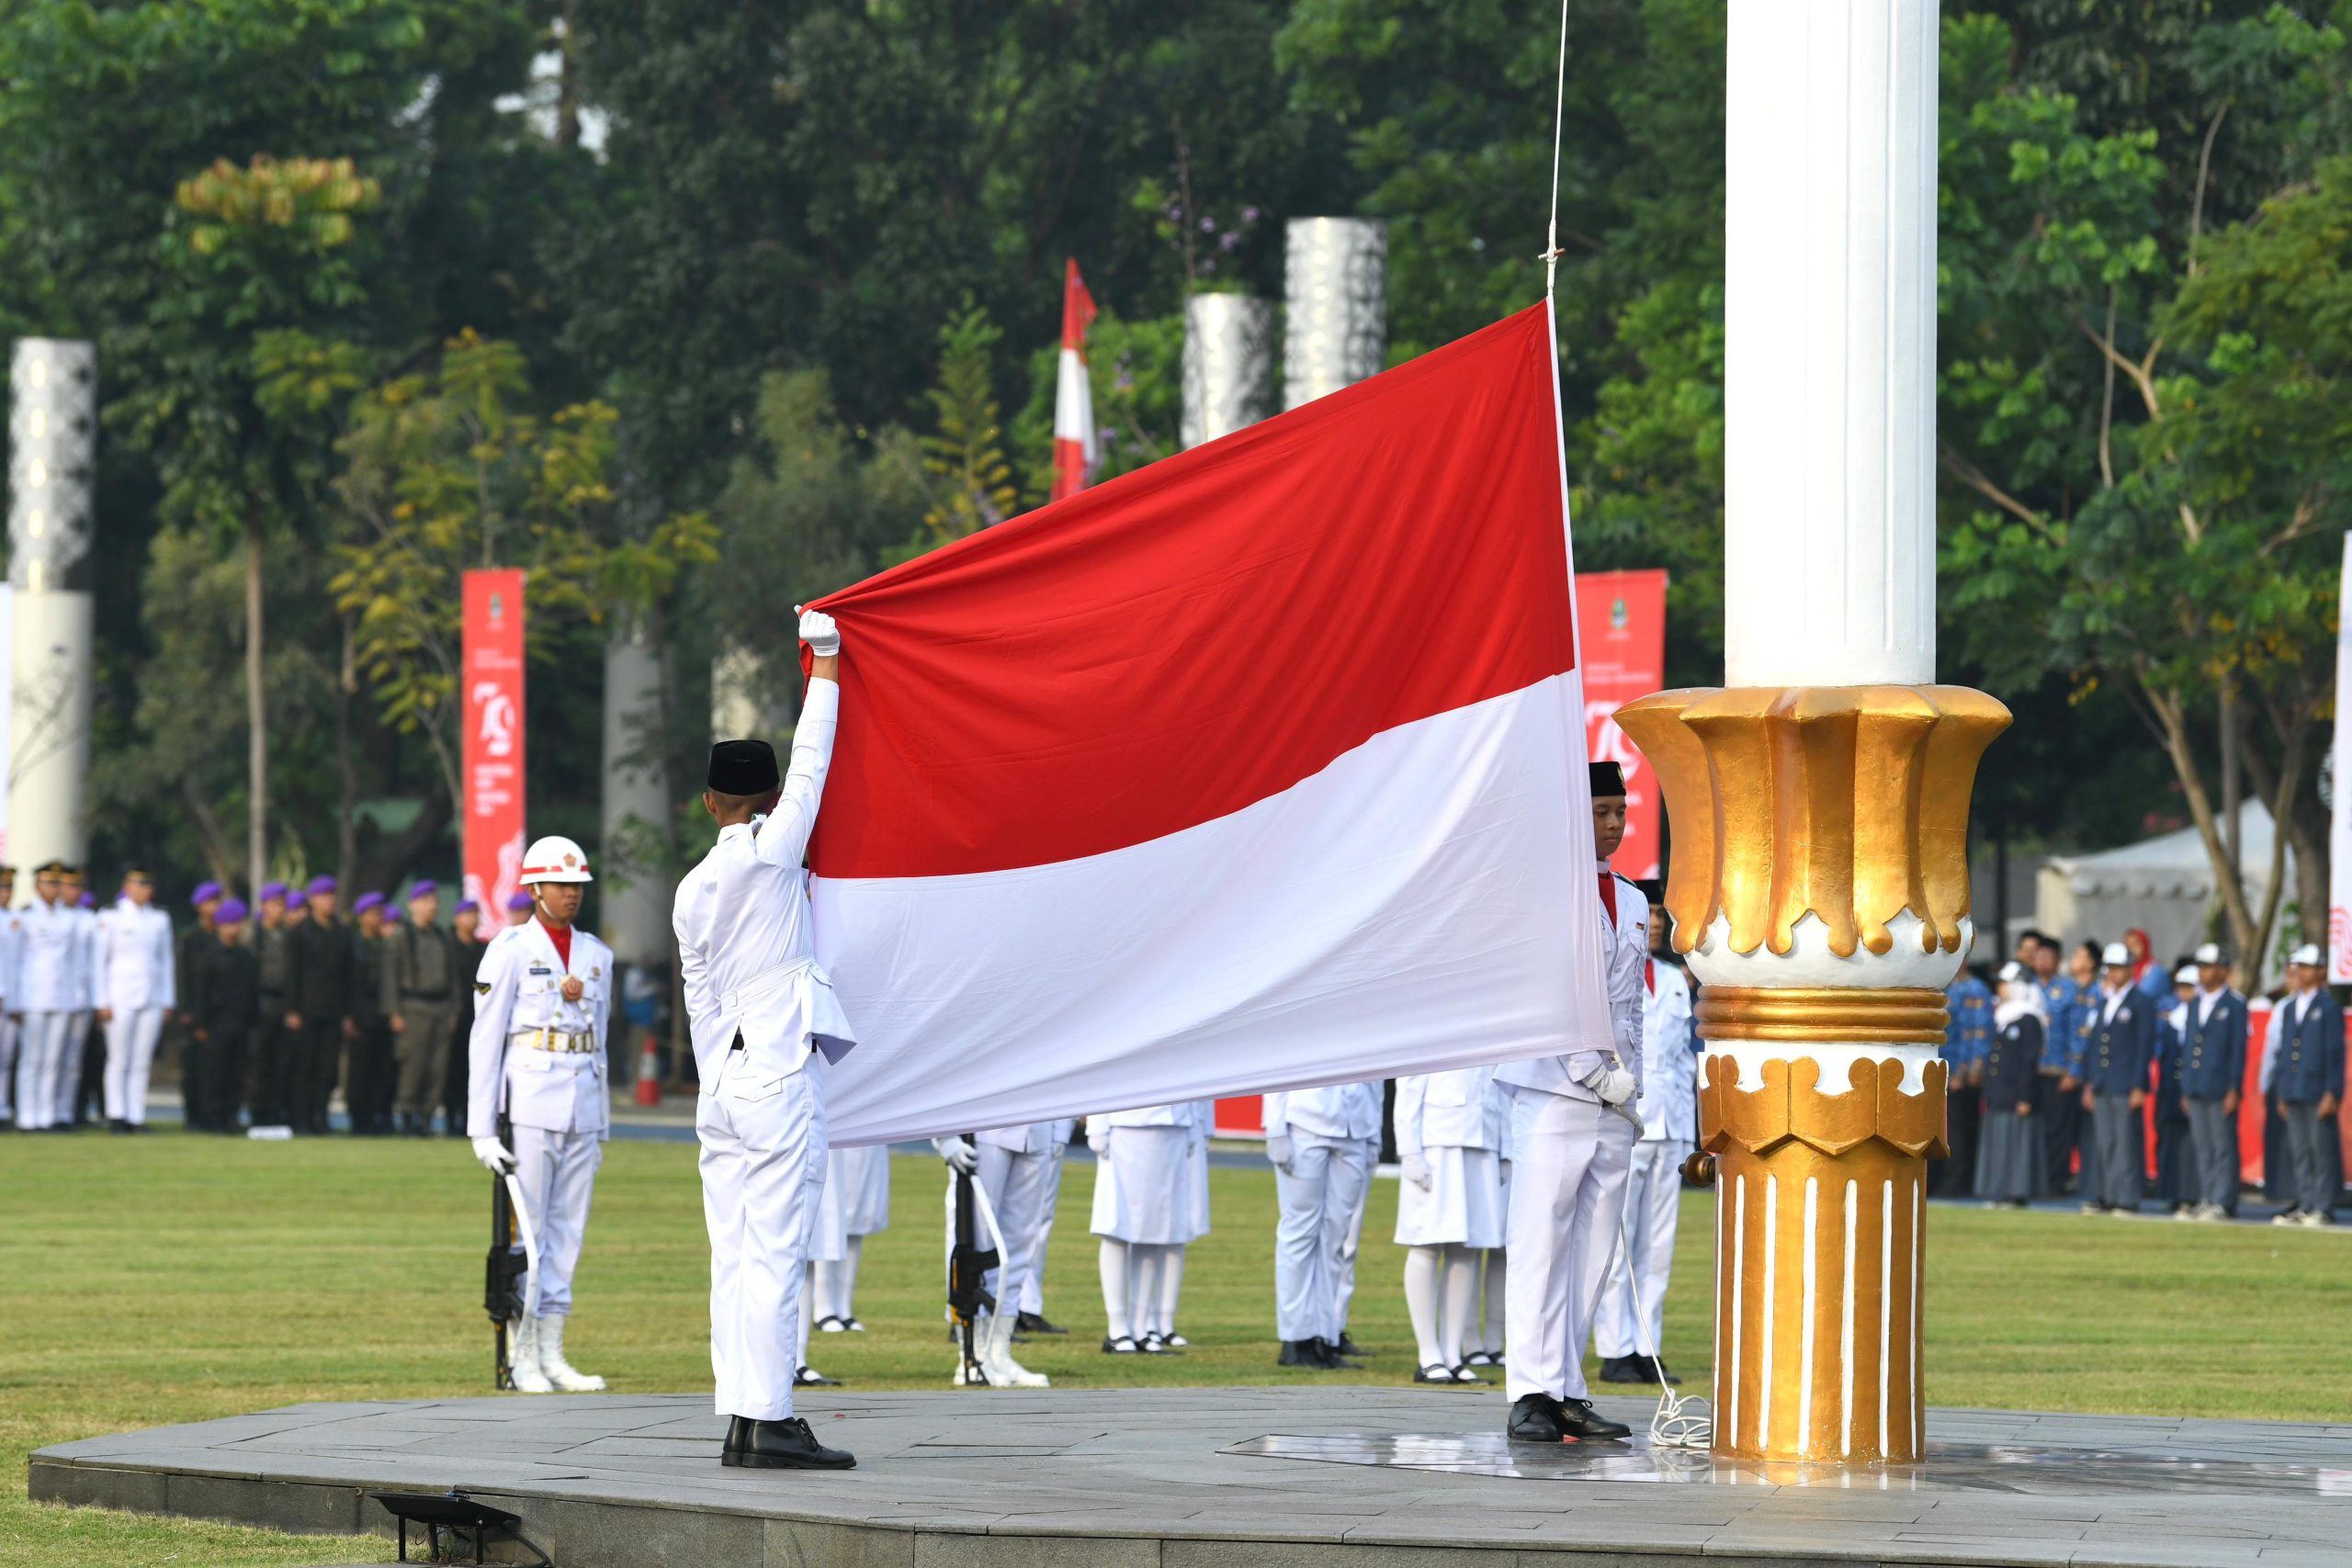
(52, 434)
(1830, 328)
(1228, 363)
(743, 702)
(633, 901)
(1335, 304)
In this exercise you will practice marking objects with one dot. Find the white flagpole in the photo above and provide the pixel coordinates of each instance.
(2339, 877)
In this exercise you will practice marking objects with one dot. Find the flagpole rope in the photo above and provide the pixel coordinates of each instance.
(1559, 118)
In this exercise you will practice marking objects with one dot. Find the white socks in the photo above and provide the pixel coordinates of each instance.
(1113, 1260)
(1172, 1285)
(1461, 1300)
(1420, 1302)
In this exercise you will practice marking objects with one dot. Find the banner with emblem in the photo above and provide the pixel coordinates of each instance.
(2339, 878)
(1621, 617)
(493, 759)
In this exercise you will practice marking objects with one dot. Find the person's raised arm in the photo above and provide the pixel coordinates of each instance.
(783, 838)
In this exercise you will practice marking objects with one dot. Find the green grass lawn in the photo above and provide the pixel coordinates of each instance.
(178, 1278)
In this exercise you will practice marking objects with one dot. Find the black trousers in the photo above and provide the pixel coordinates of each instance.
(369, 1078)
(220, 1067)
(315, 1054)
(1963, 1121)
(269, 1066)
(2060, 1112)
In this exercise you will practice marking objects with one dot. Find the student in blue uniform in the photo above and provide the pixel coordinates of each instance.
(2212, 1071)
(2009, 1160)
(2304, 1069)
(1967, 1036)
(2176, 1184)
(2115, 1088)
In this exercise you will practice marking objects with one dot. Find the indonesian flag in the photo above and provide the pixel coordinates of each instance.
(1074, 449)
(1257, 768)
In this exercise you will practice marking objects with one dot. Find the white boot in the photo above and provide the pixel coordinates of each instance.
(566, 1378)
(996, 1357)
(523, 1356)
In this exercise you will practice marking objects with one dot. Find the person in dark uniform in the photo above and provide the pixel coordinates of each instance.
(2212, 1075)
(2010, 1156)
(186, 948)
(318, 1005)
(1967, 1034)
(420, 997)
(269, 1060)
(2115, 1088)
(2177, 1185)
(464, 925)
(223, 998)
(2306, 1076)
(367, 1080)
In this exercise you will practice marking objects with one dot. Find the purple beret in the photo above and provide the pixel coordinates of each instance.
(231, 912)
(320, 884)
(424, 887)
(366, 902)
(89, 900)
(273, 890)
(467, 907)
(518, 903)
(204, 890)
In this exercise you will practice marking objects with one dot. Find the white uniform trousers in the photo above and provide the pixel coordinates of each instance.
(9, 1032)
(763, 1176)
(557, 1174)
(1033, 1282)
(1345, 1284)
(131, 1056)
(1015, 1182)
(40, 1046)
(69, 1065)
(1653, 1204)
(1320, 1199)
(1568, 1189)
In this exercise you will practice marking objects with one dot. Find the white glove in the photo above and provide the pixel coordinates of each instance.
(1278, 1150)
(958, 1153)
(1417, 1171)
(1099, 1140)
(494, 1156)
(817, 629)
(1615, 1086)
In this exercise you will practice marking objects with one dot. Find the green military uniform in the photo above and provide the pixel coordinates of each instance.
(421, 985)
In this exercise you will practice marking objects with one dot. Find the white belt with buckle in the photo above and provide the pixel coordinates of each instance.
(556, 1041)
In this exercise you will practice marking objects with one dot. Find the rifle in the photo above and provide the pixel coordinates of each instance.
(504, 1273)
(968, 1264)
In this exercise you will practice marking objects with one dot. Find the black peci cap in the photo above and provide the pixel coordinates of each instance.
(1607, 779)
(742, 767)
(1652, 889)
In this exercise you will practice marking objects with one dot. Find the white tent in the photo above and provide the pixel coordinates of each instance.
(2162, 884)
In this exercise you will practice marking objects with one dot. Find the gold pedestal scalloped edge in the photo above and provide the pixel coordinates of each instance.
(1847, 803)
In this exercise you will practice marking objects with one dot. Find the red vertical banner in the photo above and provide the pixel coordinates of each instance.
(1621, 617)
(493, 760)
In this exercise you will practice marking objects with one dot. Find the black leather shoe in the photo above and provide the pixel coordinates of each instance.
(1534, 1418)
(1620, 1368)
(739, 1434)
(1299, 1353)
(1347, 1347)
(786, 1445)
(1035, 1323)
(1332, 1359)
(1579, 1419)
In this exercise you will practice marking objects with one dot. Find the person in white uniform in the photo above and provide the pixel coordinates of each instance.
(1143, 1214)
(52, 984)
(828, 1247)
(1669, 1111)
(1353, 1240)
(136, 989)
(1010, 1166)
(1572, 1142)
(759, 1006)
(1494, 1267)
(1448, 1208)
(1317, 1139)
(72, 1066)
(536, 1059)
(862, 1176)
(1032, 1318)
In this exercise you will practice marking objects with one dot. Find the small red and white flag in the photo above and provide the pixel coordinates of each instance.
(1075, 453)
(1260, 767)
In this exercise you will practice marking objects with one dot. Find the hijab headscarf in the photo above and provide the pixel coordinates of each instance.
(2020, 995)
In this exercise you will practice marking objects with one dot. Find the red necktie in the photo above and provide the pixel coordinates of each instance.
(1609, 896)
(1649, 976)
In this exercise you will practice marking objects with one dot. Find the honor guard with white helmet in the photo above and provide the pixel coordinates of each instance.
(536, 1057)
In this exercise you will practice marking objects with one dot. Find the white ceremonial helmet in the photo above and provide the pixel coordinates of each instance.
(555, 859)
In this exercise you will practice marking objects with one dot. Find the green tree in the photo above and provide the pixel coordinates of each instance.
(446, 470)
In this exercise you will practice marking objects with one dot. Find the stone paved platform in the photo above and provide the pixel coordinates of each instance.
(1236, 1478)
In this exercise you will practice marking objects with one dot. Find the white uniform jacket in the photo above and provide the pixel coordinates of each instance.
(1177, 1115)
(54, 972)
(521, 1057)
(12, 957)
(132, 959)
(1669, 1102)
(1626, 949)
(1458, 1110)
(1346, 1110)
(742, 923)
(1029, 1138)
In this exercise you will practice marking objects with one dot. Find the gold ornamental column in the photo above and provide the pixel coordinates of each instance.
(1820, 891)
